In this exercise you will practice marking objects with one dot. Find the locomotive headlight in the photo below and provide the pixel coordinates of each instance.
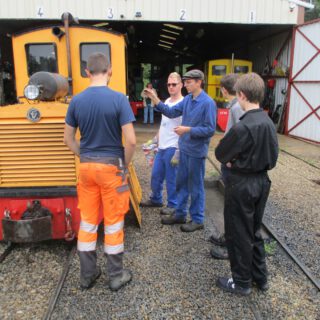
(31, 92)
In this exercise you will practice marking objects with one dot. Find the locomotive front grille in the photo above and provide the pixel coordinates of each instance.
(33, 154)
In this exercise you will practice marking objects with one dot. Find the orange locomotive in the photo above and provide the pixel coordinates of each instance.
(38, 173)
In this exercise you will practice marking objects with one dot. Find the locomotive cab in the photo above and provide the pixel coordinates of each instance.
(216, 69)
(38, 173)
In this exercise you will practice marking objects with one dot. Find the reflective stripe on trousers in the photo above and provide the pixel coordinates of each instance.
(113, 238)
(87, 237)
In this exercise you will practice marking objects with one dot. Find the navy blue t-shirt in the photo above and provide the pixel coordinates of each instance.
(99, 112)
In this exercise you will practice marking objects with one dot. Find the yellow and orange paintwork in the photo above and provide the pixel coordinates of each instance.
(54, 112)
(78, 35)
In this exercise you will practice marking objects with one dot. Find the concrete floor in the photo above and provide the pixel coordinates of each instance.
(214, 212)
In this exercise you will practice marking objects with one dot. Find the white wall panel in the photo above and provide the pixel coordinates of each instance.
(227, 11)
(305, 88)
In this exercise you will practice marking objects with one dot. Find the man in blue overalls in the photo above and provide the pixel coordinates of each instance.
(164, 167)
(198, 112)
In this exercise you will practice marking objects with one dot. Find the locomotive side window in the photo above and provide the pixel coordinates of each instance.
(219, 70)
(88, 48)
(41, 57)
(241, 69)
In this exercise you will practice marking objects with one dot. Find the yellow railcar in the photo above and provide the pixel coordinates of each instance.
(35, 165)
(216, 69)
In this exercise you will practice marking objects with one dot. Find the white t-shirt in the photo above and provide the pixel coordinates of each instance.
(167, 137)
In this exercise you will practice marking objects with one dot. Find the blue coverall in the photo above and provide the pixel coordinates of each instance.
(199, 114)
(163, 170)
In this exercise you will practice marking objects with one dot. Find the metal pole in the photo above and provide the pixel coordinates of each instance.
(232, 63)
(65, 17)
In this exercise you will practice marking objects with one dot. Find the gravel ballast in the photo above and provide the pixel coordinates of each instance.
(28, 277)
(173, 276)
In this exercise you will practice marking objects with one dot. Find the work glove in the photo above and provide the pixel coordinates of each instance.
(150, 149)
(154, 140)
(175, 159)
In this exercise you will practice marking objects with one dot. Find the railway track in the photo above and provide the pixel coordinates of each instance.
(276, 237)
(55, 295)
(272, 233)
(7, 251)
(56, 292)
(303, 160)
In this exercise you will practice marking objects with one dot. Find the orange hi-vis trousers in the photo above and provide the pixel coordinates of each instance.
(102, 184)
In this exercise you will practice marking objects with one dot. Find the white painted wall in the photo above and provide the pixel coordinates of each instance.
(217, 11)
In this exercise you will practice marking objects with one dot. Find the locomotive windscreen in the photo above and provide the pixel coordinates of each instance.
(41, 57)
(88, 48)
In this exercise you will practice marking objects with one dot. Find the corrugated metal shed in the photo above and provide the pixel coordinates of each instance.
(304, 106)
(267, 49)
(217, 11)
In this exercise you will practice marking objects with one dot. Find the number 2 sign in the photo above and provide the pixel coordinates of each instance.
(183, 14)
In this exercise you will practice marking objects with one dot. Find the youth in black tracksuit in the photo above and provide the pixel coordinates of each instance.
(251, 146)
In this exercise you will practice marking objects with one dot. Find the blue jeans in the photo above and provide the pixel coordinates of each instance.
(147, 109)
(163, 170)
(190, 181)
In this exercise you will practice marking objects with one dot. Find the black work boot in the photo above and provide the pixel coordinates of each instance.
(117, 282)
(167, 211)
(228, 285)
(220, 253)
(89, 272)
(172, 219)
(262, 286)
(118, 277)
(219, 241)
(191, 226)
(150, 204)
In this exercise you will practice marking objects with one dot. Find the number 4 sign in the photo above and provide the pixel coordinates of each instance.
(39, 12)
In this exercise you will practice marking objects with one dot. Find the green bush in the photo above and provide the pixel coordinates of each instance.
(314, 13)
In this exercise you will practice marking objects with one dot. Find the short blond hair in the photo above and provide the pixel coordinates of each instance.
(175, 75)
(252, 86)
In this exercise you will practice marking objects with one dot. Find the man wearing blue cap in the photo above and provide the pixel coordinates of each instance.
(198, 113)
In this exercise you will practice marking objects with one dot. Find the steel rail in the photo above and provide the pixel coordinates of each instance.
(296, 157)
(7, 251)
(301, 265)
(54, 298)
(285, 247)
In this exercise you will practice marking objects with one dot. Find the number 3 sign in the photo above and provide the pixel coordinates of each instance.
(110, 14)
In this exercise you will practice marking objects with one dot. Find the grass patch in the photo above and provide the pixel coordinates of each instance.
(270, 246)
(213, 173)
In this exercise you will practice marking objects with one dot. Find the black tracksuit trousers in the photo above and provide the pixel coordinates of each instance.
(245, 199)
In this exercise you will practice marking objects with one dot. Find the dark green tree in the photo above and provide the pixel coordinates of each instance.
(314, 13)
